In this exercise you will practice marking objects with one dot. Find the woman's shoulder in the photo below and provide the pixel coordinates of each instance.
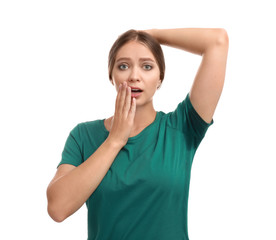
(89, 126)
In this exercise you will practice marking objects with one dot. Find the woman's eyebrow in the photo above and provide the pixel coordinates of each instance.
(146, 59)
(123, 59)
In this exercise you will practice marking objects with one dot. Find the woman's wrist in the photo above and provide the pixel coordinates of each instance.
(158, 34)
(152, 32)
(114, 144)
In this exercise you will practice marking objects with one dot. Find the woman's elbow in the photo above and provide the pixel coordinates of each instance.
(222, 38)
(55, 214)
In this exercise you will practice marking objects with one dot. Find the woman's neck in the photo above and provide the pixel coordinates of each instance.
(144, 116)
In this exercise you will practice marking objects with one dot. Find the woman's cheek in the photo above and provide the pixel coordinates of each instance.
(120, 78)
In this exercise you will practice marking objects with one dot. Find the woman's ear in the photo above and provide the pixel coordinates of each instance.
(159, 84)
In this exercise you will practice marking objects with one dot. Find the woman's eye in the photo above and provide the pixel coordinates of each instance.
(147, 67)
(123, 67)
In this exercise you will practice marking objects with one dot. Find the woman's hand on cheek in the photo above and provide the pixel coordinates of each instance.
(123, 119)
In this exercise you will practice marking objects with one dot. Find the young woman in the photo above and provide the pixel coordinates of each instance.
(133, 169)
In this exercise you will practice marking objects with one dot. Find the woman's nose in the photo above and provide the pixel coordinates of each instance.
(134, 75)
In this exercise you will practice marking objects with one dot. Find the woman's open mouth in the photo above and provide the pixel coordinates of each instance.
(136, 92)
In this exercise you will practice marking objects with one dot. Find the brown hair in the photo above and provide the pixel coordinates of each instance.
(142, 37)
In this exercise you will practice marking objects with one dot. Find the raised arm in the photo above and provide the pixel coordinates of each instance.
(212, 45)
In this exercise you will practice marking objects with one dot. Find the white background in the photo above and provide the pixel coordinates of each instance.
(53, 71)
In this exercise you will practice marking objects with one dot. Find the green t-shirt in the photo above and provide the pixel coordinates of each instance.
(144, 194)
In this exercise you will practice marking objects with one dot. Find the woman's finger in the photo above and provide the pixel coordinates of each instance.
(132, 109)
(118, 98)
(127, 103)
(122, 98)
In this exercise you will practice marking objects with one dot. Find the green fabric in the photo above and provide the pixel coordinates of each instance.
(144, 194)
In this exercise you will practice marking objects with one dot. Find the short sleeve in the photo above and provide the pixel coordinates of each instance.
(186, 119)
(72, 153)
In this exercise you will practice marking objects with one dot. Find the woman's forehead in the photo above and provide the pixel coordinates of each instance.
(134, 49)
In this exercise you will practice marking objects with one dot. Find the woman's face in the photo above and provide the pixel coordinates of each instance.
(136, 65)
